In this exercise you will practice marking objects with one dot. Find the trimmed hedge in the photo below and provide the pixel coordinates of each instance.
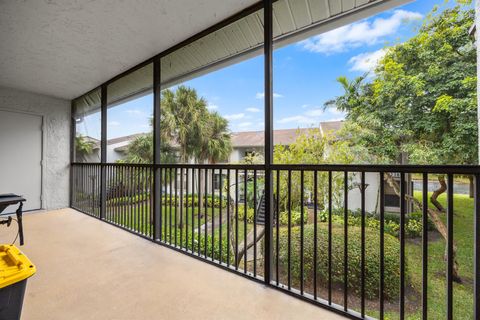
(372, 259)
(413, 221)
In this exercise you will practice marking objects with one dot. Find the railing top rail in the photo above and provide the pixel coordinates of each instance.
(444, 169)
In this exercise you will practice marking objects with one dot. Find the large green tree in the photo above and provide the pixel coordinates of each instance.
(421, 101)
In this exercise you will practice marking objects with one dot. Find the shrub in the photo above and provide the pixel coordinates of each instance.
(296, 218)
(413, 221)
(413, 228)
(193, 201)
(199, 243)
(250, 213)
(372, 259)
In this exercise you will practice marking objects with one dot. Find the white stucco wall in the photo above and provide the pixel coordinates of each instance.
(56, 144)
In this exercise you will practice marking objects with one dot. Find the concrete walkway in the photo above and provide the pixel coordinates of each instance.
(88, 269)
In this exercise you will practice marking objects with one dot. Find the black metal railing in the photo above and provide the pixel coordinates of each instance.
(361, 240)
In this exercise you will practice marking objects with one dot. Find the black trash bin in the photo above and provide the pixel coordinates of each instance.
(15, 269)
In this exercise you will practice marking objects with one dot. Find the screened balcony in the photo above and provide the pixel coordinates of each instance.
(224, 166)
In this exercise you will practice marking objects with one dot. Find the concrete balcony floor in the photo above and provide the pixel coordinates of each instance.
(87, 269)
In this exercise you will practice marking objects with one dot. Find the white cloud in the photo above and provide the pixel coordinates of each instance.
(335, 111)
(261, 95)
(367, 32)
(212, 107)
(314, 113)
(311, 117)
(114, 123)
(297, 119)
(235, 116)
(244, 124)
(252, 110)
(135, 112)
(366, 62)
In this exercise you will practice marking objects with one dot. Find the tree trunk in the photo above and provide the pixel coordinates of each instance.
(251, 241)
(438, 192)
(435, 217)
(471, 189)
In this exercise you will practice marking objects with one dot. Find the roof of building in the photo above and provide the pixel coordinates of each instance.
(254, 138)
(124, 138)
(331, 127)
(280, 137)
(257, 138)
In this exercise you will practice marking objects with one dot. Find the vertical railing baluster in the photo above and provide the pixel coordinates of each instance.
(154, 219)
(228, 215)
(117, 195)
(205, 214)
(220, 222)
(424, 244)
(362, 262)
(187, 216)
(138, 225)
(182, 203)
(245, 203)
(255, 223)
(277, 225)
(289, 226)
(142, 196)
(132, 195)
(450, 244)
(199, 208)
(329, 237)
(476, 248)
(192, 238)
(236, 219)
(315, 232)
(125, 196)
(120, 189)
(161, 205)
(111, 184)
(402, 246)
(175, 225)
(193, 211)
(82, 196)
(170, 207)
(114, 191)
(345, 241)
(302, 217)
(213, 212)
(382, 244)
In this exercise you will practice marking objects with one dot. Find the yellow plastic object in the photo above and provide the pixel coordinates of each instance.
(14, 266)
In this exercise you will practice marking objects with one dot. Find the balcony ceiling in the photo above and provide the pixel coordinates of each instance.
(64, 48)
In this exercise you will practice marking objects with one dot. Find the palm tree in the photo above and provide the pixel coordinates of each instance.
(140, 150)
(83, 146)
(216, 143)
(182, 119)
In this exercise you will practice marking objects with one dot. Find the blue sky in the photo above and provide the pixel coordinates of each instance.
(304, 77)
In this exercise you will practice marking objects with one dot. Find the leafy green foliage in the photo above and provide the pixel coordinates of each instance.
(83, 146)
(372, 271)
(193, 201)
(295, 218)
(185, 121)
(422, 100)
(250, 213)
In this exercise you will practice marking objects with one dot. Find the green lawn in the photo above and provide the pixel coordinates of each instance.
(463, 293)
